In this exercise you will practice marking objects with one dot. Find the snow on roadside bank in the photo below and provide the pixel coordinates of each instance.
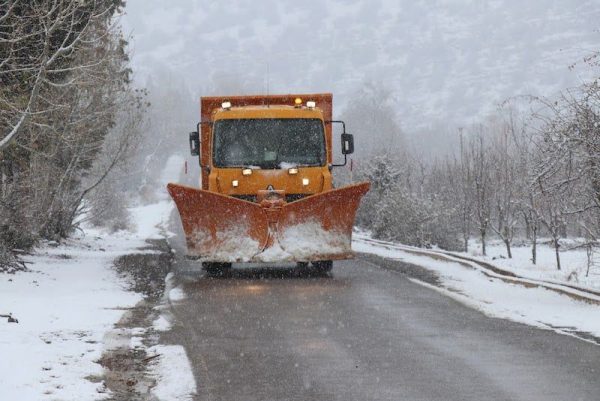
(534, 306)
(573, 263)
(65, 305)
(171, 369)
(175, 381)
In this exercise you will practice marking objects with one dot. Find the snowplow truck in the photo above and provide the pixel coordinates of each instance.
(266, 192)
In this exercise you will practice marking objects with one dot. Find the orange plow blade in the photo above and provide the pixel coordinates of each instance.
(319, 227)
(221, 228)
(218, 227)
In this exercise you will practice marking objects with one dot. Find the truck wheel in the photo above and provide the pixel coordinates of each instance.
(215, 269)
(323, 266)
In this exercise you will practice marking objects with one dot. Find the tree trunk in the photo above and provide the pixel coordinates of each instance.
(556, 246)
(590, 257)
(508, 251)
(466, 239)
(482, 232)
(534, 245)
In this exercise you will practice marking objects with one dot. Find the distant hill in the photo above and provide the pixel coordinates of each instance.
(448, 61)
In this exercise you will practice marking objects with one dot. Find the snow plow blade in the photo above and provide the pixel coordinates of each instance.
(319, 227)
(220, 228)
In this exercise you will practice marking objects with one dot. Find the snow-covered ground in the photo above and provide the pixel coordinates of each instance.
(573, 262)
(496, 297)
(65, 304)
(174, 371)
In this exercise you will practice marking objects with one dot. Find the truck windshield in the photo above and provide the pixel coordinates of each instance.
(269, 143)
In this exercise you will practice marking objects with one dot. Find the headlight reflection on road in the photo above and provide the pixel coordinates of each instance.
(253, 289)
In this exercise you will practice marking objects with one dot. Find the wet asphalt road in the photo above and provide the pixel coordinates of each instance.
(365, 332)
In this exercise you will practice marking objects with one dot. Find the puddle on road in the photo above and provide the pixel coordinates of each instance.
(126, 367)
(125, 360)
(146, 272)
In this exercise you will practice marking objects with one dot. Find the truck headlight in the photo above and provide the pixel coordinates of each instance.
(305, 181)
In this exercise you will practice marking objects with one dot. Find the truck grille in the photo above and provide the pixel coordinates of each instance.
(288, 198)
(294, 197)
(249, 198)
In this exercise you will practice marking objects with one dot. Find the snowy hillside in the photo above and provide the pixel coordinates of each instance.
(445, 60)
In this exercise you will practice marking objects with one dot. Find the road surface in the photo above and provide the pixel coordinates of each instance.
(365, 332)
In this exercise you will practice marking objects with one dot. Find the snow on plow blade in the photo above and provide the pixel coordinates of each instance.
(319, 227)
(220, 228)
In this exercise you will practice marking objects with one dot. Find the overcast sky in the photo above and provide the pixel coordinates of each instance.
(445, 59)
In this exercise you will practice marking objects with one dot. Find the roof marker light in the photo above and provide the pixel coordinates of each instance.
(293, 171)
(226, 105)
(247, 171)
(311, 104)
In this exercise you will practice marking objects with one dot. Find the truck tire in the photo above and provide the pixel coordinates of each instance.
(216, 269)
(323, 266)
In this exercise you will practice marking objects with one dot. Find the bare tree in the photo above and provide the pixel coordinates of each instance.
(481, 187)
(465, 190)
(65, 77)
(507, 182)
(38, 43)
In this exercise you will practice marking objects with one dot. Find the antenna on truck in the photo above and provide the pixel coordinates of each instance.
(268, 83)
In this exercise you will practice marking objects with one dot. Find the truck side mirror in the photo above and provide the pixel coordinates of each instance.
(195, 143)
(347, 144)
